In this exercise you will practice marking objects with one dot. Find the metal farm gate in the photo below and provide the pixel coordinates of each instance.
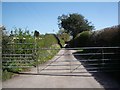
(69, 61)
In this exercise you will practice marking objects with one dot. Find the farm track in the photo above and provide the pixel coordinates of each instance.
(61, 72)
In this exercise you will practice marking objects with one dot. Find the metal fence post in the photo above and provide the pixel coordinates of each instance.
(36, 55)
(103, 58)
(1, 57)
(70, 67)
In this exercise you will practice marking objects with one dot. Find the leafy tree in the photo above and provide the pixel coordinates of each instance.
(74, 24)
(36, 33)
(61, 31)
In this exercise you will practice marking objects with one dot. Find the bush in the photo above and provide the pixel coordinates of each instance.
(108, 37)
(81, 40)
(105, 37)
(17, 45)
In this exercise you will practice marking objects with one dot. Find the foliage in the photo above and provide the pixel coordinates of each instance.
(106, 37)
(22, 42)
(16, 44)
(81, 40)
(61, 31)
(74, 24)
(64, 36)
(6, 75)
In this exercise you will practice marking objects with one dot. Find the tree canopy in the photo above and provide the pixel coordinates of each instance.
(74, 24)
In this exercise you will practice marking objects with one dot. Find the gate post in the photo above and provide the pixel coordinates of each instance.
(1, 57)
(36, 55)
(36, 34)
(103, 58)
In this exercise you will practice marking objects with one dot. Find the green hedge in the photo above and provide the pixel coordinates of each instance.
(106, 37)
(81, 40)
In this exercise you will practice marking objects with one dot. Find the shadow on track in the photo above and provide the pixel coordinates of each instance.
(104, 79)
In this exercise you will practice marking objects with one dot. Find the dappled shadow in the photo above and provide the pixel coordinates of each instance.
(93, 68)
(50, 73)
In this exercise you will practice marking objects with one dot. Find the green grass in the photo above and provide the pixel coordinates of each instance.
(6, 75)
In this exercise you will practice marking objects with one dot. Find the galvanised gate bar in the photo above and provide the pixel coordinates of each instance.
(93, 59)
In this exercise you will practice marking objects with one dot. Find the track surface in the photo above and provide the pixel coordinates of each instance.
(61, 72)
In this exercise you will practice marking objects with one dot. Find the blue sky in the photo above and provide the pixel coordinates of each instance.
(42, 16)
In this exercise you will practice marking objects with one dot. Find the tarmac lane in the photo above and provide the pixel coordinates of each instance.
(63, 71)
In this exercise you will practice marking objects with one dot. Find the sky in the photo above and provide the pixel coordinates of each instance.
(42, 16)
(60, 0)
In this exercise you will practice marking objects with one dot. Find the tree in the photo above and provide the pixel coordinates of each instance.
(36, 33)
(61, 31)
(74, 24)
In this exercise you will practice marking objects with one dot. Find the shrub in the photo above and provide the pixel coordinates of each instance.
(81, 40)
(106, 37)
(15, 43)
